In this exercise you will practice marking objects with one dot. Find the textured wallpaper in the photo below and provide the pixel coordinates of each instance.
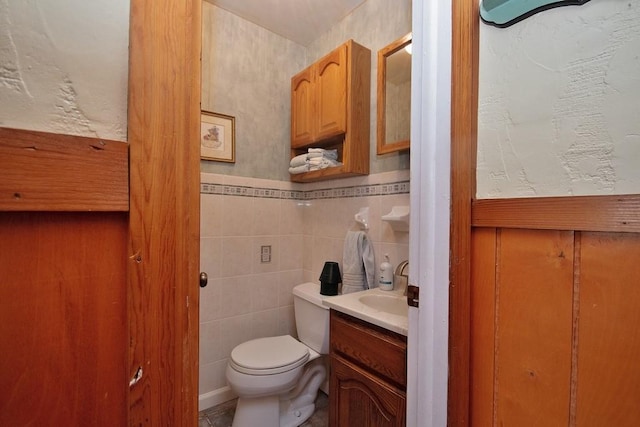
(64, 66)
(559, 109)
(246, 73)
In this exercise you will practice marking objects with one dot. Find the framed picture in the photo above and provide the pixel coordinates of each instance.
(217, 137)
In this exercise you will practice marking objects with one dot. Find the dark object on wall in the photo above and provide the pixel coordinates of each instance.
(330, 278)
(504, 13)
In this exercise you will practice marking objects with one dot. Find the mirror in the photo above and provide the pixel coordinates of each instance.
(394, 96)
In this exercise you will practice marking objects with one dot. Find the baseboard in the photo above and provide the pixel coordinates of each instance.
(215, 397)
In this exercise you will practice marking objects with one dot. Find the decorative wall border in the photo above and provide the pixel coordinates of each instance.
(246, 191)
(399, 187)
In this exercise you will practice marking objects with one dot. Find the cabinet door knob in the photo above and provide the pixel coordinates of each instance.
(204, 279)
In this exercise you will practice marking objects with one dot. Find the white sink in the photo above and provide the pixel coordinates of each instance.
(392, 304)
(387, 309)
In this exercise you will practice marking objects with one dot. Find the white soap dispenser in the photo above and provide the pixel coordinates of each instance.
(385, 282)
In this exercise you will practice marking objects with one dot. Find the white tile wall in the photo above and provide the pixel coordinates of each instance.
(247, 299)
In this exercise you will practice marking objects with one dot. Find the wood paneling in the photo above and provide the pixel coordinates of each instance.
(534, 291)
(63, 321)
(163, 130)
(564, 338)
(51, 172)
(608, 385)
(483, 316)
(587, 213)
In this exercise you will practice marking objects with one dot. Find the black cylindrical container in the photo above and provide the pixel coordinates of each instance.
(330, 278)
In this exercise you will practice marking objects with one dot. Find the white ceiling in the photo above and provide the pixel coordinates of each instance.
(301, 21)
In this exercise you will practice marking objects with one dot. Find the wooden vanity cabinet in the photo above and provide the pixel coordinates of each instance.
(368, 378)
(330, 108)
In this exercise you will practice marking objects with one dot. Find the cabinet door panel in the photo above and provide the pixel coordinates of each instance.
(331, 86)
(382, 352)
(359, 399)
(302, 110)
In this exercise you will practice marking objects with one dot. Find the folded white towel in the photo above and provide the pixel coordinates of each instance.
(321, 152)
(322, 163)
(300, 169)
(358, 270)
(352, 283)
(298, 160)
(316, 155)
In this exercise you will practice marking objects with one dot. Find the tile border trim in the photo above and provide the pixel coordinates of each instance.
(386, 189)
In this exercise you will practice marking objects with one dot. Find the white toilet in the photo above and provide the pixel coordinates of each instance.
(277, 378)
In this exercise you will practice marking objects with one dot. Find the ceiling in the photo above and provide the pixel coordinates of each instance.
(301, 21)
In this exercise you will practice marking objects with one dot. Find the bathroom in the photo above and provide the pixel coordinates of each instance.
(252, 204)
(314, 229)
(495, 167)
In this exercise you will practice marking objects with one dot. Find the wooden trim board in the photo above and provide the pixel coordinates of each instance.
(164, 221)
(65, 172)
(587, 213)
(464, 117)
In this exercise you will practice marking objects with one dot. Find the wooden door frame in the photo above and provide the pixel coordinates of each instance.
(164, 224)
(464, 124)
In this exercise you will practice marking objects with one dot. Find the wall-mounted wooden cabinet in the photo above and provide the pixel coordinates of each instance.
(368, 380)
(330, 108)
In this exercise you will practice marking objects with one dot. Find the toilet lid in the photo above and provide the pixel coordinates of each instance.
(267, 356)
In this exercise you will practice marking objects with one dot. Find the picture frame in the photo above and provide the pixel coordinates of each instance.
(217, 137)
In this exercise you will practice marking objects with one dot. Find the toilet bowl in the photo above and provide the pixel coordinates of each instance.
(277, 378)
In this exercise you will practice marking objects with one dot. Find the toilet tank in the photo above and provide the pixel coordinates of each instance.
(312, 318)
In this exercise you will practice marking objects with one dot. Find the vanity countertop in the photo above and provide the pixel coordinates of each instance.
(387, 309)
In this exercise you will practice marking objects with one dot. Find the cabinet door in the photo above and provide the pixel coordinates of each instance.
(302, 110)
(331, 93)
(360, 399)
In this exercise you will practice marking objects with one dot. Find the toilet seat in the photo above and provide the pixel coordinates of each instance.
(269, 356)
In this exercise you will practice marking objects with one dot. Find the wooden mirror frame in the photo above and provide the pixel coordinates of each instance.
(383, 147)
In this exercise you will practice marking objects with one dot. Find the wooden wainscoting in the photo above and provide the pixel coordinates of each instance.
(63, 286)
(554, 312)
(63, 319)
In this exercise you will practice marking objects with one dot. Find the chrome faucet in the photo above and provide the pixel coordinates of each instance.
(400, 277)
